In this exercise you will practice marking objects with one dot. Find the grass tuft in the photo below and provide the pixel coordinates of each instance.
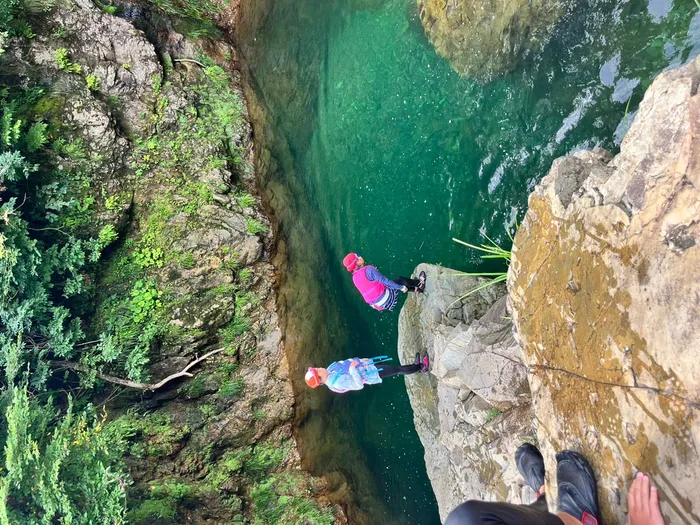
(491, 251)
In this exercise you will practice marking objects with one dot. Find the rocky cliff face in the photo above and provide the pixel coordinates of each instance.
(604, 293)
(484, 39)
(473, 410)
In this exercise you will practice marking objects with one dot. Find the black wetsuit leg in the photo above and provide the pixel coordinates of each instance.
(496, 513)
(411, 284)
(403, 370)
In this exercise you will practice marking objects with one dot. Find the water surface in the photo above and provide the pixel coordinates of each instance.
(379, 147)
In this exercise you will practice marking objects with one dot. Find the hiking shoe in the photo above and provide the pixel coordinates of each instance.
(421, 287)
(578, 492)
(425, 363)
(531, 466)
(416, 361)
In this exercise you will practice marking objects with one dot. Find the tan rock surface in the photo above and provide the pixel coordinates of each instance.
(484, 38)
(605, 293)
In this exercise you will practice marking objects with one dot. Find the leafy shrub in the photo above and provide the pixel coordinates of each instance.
(144, 300)
(63, 469)
(147, 257)
(8, 10)
(107, 235)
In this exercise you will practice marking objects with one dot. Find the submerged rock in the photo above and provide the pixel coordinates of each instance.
(483, 39)
(605, 298)
(472, 411)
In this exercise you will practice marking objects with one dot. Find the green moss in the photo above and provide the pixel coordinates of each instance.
(228, 465)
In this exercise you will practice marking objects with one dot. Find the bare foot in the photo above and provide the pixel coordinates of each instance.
(643, 502)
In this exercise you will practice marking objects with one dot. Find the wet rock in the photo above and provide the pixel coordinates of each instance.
(614, 368)
(472, 411)
(484, 39)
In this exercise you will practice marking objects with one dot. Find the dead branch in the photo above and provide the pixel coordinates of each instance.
(190, 60)
(135, 384)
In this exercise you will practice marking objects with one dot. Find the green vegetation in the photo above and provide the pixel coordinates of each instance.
(232, 388)
(281, 499)
(12, 14)
(86, 298)
(148, 435)
(493, 414)
(64, 63)
(255, 227)
(92, 82)
(245, 200)
(492, 251)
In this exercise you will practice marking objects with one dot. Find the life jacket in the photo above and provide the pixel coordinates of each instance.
(371, 291)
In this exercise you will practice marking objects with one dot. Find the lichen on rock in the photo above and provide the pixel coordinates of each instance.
(603, 289)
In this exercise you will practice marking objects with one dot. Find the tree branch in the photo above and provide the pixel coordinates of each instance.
(135, 384)
(189, 60)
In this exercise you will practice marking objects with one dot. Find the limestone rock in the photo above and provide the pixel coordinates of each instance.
(485, 38)
(605, 298)
(472, 411)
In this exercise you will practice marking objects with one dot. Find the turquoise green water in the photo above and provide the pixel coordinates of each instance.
(379, 147)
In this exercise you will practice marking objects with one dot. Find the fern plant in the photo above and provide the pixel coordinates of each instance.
(36, 137)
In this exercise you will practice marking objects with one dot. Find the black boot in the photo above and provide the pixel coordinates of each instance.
(578, 492)
(531, 466)
(425, 363)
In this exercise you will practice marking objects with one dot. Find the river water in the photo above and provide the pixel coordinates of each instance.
(377, 146)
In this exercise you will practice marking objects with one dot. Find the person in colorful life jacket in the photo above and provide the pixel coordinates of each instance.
(380, 292)
(355, 373)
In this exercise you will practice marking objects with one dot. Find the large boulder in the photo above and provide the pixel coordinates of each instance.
(605, 298)
(472, 411)
(485, 38)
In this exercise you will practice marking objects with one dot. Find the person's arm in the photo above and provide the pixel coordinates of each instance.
(375, 275)
(342, 382)
(356, 382)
